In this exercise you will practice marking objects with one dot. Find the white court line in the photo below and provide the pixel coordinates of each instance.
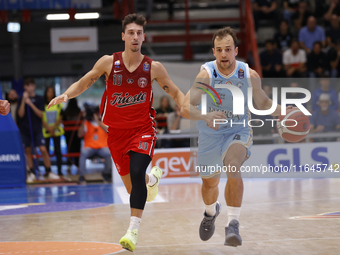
(243, 242)
(125, 197)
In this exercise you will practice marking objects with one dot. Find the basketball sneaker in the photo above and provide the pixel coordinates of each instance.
(51, 176)
(129, 241)
(153, 190)
(31, 177)
(232, 236)
(207, 227)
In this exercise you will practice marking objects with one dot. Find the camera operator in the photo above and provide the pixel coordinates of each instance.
(94, 133)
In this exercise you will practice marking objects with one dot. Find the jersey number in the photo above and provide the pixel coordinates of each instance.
(117, 79)
(143, 146)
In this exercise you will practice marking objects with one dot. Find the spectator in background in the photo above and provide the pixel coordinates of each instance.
(334, 8)
(334, 57)
(324, 119)
(4, 107)
(162, 113)
(258, 120)
(294, 60)
(178, 123)
(271, 61)
(52, 127)
(310, 34)
(299, 18)
(283, 37)
(294, 95)
(95, 143)
(317, 62)
(289, 8)
(333, 32)
(325, 89)
(265, 9)
(72, 113)
(30, 112)
(12, 97)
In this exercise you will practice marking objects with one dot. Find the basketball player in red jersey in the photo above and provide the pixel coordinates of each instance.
(127, 110)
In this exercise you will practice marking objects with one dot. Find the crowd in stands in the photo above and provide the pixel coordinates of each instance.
(307, 38)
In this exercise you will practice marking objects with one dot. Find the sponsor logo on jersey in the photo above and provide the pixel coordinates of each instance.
(142, 82)
(146, 67)
(241, 74)
(130, 81)
(120, 101)
(208, 92)
(117, 71)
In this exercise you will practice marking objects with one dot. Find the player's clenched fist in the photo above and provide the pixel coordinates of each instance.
(4, 107)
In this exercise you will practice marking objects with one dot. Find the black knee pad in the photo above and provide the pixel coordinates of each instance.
(138, 165)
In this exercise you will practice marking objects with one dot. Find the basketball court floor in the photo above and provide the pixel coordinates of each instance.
(278, 216)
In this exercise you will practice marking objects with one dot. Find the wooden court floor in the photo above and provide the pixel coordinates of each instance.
(281, 216)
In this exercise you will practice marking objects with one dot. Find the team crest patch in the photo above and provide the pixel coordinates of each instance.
(130, 81)
(241, 74)
(239, 84)
(117, 63)
(142, 82)
(146, 67)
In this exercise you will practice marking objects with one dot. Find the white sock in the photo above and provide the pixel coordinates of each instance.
(152, 180)
(134, 222)
(233, 213)
(210, 210)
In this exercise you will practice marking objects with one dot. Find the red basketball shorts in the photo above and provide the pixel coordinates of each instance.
(122, 141)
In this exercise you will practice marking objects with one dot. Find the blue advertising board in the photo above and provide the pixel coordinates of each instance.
(12, 160)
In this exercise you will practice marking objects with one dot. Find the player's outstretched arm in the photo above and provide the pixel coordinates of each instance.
(4, 107)
(159, 73)
(193, 97)
(262, 101)
(102, 66)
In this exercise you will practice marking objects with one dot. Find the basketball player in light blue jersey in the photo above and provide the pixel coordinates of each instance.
(227, 144)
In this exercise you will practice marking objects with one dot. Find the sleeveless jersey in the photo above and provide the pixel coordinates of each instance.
(127, 100)
(240, 77)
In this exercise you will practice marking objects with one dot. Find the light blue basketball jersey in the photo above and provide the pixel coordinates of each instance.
(240, 77)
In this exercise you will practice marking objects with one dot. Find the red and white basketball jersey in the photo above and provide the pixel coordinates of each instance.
(127, 100)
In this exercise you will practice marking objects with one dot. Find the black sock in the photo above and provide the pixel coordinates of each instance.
(48, 170)
(32, 171)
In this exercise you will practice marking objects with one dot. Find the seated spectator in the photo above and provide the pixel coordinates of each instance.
(295, 95)
(52, 127)
(334, 57)
(283, 37)
(294, 60)
(95, 143)
(265, 9)
(334, 8)
(325, 89)
(177, 122)
(162, 113)
(310, 34)
(333, 32)
(299, 18)
(72, 113)
(324, 119)
(12, 97)
(289, 8)
(317, 62)
(271, 61)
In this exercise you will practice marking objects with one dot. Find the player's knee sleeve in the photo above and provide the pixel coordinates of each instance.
(138, 164)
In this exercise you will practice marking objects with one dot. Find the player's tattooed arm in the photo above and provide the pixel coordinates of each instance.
(92, 80)
(166, 89)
